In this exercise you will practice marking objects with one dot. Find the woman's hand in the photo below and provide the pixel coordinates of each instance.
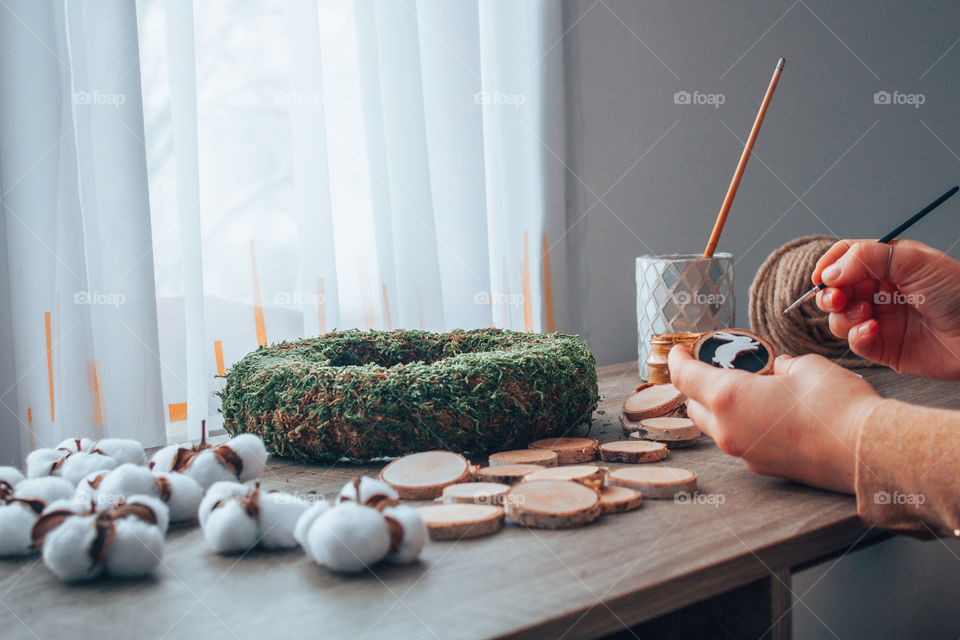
(901, 309)
(802, 422)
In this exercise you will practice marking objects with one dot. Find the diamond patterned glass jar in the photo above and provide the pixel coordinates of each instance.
(682, 292)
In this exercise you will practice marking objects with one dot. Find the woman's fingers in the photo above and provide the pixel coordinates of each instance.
(711, 386)
(854, 314)
(864, 340)
(897, 262)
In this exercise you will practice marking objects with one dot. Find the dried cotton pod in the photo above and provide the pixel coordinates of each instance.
(240, 458)
(409, 540)
(349, 538)
(235, 518)
(123, 450)
(367, 491)
(180, 493)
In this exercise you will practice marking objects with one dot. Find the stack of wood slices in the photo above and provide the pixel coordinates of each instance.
(657, 413)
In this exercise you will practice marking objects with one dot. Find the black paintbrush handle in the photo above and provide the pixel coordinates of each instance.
(919, 214)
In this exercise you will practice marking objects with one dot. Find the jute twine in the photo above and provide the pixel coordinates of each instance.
(782, 278)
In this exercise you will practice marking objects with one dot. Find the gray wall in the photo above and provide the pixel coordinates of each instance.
(620, 102)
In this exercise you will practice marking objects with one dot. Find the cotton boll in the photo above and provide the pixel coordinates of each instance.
(125, 480)
(74, 504)
(206, 469)
(278, 517)
(74, 445)
(11, 475)
(368, 489)
(43, 491)
(217, 492)
(40, 462)
(16, 522)
(185, 496)
(349, 537)
(79, 465)
(230, 528)
(135, 551)
(160, 510)
(66, 549)
(162, 460)
(86, 490)
(123, 450)
(306, 520)
(414, 533)
(254, 455)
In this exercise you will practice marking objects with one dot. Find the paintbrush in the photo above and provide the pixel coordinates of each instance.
(909, 222)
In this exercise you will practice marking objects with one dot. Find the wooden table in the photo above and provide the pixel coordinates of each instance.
(718, 567)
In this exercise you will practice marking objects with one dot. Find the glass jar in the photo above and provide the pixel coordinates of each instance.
(660, 345)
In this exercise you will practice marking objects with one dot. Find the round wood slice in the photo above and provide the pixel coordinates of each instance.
(543, 457)
(569, 450)
(671, 444)
(652, 401)
(669, 429)
(420, 476)
(552, 504)
(654, 482)
(587, 474)
(619, 499)
(507, 474)
(459, 521)
(719, 349)
(475, 493)
(633, 451)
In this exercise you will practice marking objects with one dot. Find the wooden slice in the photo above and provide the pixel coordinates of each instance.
(420, 476)
(654, 482)
(508, 473)
(652, 401)
(672, 444)
(619, 499)
(587, 474)
(475, 493)
(552, 504)
(735, 349)
(569, 450)
(543, 457)
(633, 451)
(669, 429)
(459, 521)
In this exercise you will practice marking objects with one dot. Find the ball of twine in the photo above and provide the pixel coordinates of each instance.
(782, 278)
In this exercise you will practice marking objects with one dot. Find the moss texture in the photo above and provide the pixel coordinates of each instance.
(367, 394)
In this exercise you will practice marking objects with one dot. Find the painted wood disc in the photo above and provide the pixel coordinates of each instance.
(735, 349)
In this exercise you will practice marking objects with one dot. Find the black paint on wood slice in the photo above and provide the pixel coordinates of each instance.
(735, 349)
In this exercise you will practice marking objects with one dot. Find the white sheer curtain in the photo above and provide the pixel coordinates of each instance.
(218, 175)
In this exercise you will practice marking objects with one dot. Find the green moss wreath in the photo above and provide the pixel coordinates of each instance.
(367, 394)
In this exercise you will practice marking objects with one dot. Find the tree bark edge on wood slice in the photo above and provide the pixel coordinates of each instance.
(508, 473)
(655, 482)
(552, 504)
(615, 499)
(542, 457)
(461, 521)
(633, 451)
(422, 476)
(669, 429)
(569, 450)
(652, 401)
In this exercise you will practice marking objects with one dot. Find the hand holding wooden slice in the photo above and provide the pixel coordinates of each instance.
(475, 493)
(633, 451)
(460, 521)
(552, 504)
(421, 476)
(569, 450)
(543, 457)
(508, 473)
(654, 482)
(735, 349)
(619, 499)
(652, 401)
(586, 474)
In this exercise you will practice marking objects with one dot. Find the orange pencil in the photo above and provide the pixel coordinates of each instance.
(735, 182)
